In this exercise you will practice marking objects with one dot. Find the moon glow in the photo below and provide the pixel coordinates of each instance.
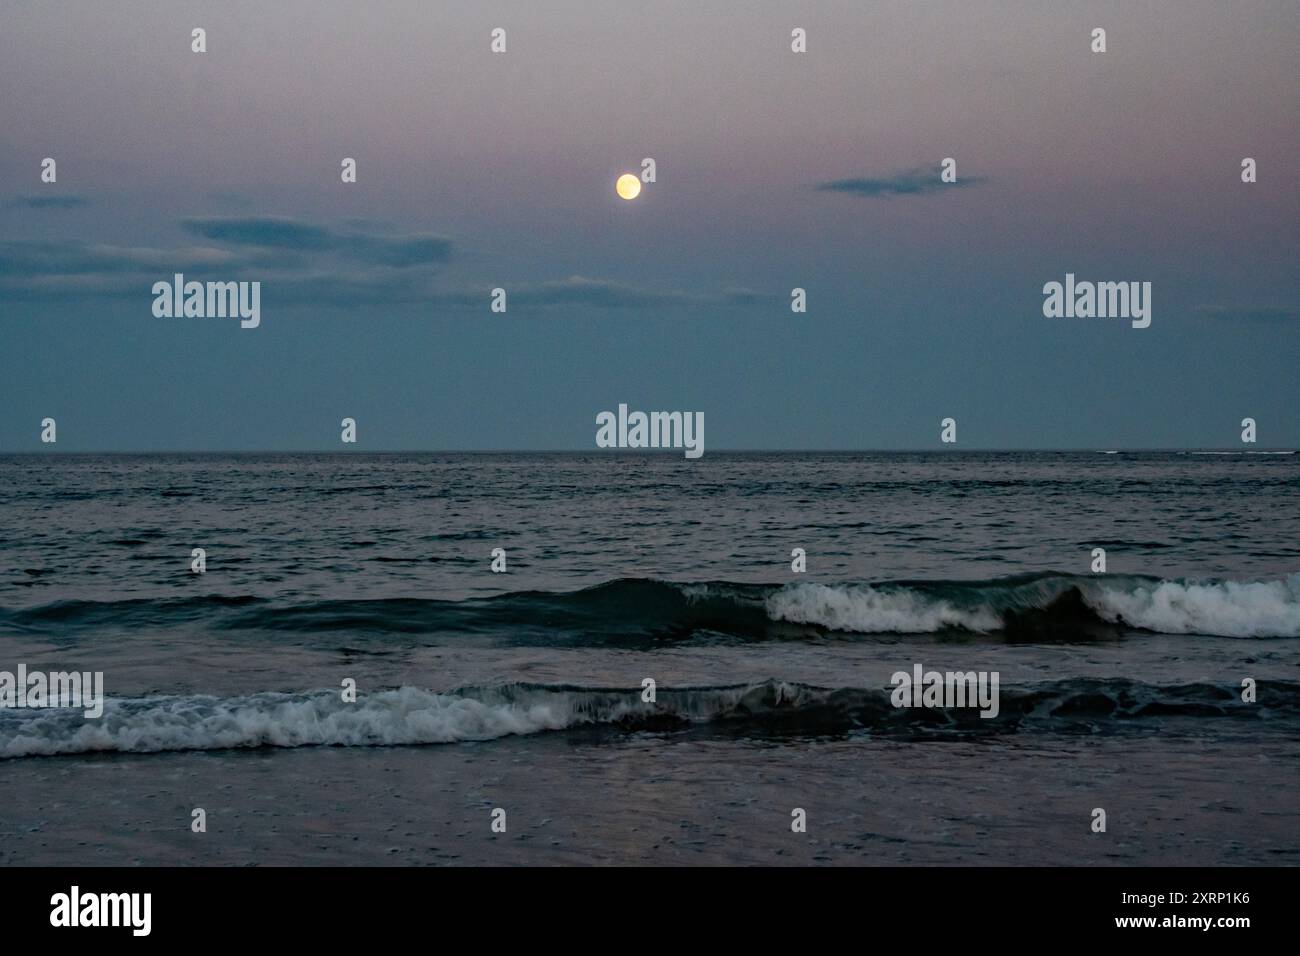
(628, 186)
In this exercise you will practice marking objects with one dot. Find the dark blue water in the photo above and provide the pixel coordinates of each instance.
(322, 569)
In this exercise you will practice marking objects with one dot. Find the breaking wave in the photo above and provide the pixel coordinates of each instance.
(413, 716)
(1035, 607)
(1034, 604)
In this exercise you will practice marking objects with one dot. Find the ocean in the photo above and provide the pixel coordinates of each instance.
(1164, 691)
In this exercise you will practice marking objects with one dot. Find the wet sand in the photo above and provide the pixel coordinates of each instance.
(608, 797)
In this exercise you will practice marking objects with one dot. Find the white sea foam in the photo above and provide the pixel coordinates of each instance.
(405, 716)
(408, 715)
(868, 610)
(1225, 609)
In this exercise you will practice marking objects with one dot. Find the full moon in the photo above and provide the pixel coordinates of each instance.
(628, 186)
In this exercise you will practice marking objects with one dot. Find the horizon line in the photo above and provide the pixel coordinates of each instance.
(653, 452)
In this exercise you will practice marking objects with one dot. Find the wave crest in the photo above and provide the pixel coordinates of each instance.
(1225, 608)
(411, 716)
(634, 611)
(1040, 607)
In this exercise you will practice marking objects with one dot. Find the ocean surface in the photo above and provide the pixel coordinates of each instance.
(523, 690)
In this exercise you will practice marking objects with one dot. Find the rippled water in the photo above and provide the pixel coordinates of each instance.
(106, 526)
(377, 568)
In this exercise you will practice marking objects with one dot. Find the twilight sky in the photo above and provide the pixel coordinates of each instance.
(775, 170)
